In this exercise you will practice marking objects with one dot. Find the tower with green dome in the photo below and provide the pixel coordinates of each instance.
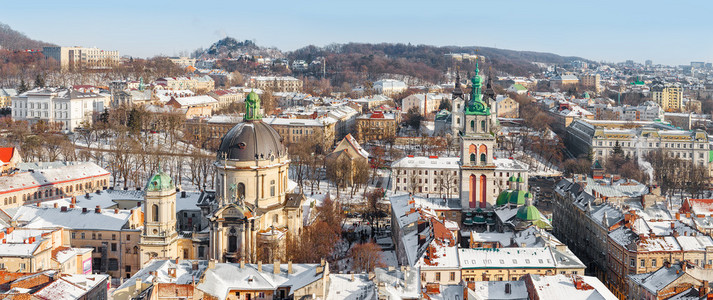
(159, 236)
(477, 141)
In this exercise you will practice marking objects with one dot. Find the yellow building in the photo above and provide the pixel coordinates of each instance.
(6, 96)
(276, 83)
(159, 235)
(375, 126)
(113, 234)
(503, 264)
(591, 81)
(668, 96)
(294, 130)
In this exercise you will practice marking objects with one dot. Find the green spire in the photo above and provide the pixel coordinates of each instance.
(252, 107)
(476, 105)
(160, 182)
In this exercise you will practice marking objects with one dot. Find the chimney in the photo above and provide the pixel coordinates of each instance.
(98, 209)
(678, 216)
(63, 209)
(242, 263)
(508, 288)
(289, 267)
(137, 286)
(84, 210)
(38, 204)
(71, 206)
(259, 265)
(74, 200)
(211, 264)
(183, 194)
(276, 267)
(138, 204)
(194, 266)
(116, 211)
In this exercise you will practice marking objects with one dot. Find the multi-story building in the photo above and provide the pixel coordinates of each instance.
(647, 111)
(373, 103)
(34, 250)
(375, 126)
(671, 281)
(197, 83)
(390, 87)
(227, 97)
(183, 61)
(51, 284)
(67, 108)
(513, 263)
(591, 81)
(668, 95)
(114, 234)
(583, 137)
(424, 103)
(563, 82)
(180, 280)
(6, 97)
(441, 175)
(81, 57)
(276, 83)
(58, 180)
(506, 107)
(294, 130)
(194, 106)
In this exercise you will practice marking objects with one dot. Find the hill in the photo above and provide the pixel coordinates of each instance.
(420, 61)
(15, 40)
(230, 47)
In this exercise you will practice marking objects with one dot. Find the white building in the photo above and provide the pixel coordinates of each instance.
(647, 111)
(425, 103)
(65, 106)
(390, 87)
(441, 175)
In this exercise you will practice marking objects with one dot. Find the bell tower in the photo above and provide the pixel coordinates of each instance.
(477, 146)
(159, 236)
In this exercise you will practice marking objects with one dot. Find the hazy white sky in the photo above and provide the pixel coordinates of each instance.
(671, 32)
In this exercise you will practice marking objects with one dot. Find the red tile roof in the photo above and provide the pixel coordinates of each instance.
(6, 153)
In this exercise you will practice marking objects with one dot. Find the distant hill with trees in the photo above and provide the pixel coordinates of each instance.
(14, 40)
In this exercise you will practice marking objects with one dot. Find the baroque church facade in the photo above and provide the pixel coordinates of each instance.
(253, 211)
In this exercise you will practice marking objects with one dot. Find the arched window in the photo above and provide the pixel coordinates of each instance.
(472, 124)
(472, 157)
(482, 125)
(154, 212)
(233, 240)
(482, 158)
(241, 191)
(272, 188)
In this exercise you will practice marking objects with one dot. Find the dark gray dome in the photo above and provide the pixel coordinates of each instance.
(251, 141)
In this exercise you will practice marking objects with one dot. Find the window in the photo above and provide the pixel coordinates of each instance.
(94, 236)
(642, 263)
(453, 276)
(99, 236)
(113, 237)
(127, 268)
(74, 235)
(632, 263)
(113, 247)
(22, 266)
(472, 158)
(272, 188)
(438, 276)
(154, 212)
(82, 235)
(128, 237)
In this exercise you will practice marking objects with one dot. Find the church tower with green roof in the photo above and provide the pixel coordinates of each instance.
(159, 236)
(477, 145)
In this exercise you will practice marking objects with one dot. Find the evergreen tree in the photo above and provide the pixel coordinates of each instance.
(39, 81)
(617, 149)
(23, 87)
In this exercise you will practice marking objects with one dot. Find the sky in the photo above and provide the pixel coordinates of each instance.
(667, 32)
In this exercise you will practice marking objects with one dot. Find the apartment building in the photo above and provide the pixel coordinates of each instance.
(35, 250)
(196, 83)
(668, 95)
(66, 107)
(592, 81)
(227, 97)
(584, 136)
(294, 130)
(375, 126)
(76, 57)
(424, 103)
(390, 87)
(113, 234)
(276, 83)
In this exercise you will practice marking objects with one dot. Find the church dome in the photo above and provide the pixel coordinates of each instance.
(249, 141)
(519, 197)
(503, 198)
(528, 213)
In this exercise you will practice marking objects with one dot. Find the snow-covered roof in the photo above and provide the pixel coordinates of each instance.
(69, 253)
(495, 290)
(426, 162)
(506, 258)
(319, 122)
(398, 283)
(71, 286)
(219, 281)
(49, 176)
(73, 218)
(184, 272)
(563, 287)
(343, 287)
(195, 100)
